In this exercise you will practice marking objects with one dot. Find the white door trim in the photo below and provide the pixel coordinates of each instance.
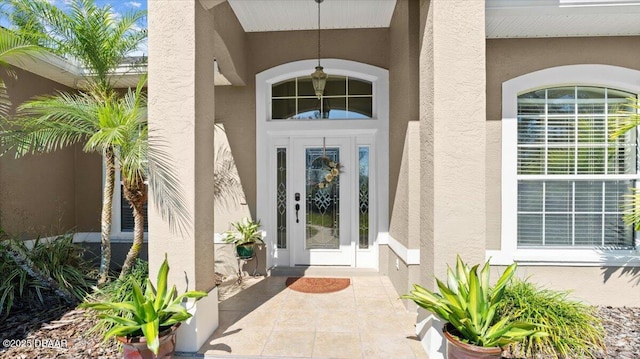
(271, 135)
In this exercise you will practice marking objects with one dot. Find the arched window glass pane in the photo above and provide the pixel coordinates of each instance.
(344, 98)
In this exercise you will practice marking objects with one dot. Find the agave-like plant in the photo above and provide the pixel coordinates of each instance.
(149, 313)
(469, 303)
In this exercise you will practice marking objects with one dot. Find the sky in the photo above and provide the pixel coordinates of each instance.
(119, 7)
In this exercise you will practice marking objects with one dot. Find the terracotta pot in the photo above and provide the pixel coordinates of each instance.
(136, 347)
(459, 350)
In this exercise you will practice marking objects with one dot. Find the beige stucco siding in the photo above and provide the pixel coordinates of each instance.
(509, 58)
(88, 190)
(37, 192)
(235, 105)
(403, 107)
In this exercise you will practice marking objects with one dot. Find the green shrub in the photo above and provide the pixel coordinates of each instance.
(573, 327)
(469, 303)
(60, 259)
(120, 290)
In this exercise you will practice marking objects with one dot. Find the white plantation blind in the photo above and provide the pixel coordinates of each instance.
(572, 178)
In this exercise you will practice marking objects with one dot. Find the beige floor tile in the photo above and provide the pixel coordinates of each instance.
(331, 302)
(300, 303)
(226, 318)
(255, 321)
(371, 292)
(374, 304)
(337, 345)
(386, 346)
(237, 343)
(290, 320)
(337, 321)
(379, 323)
(366, 281)
(365, 320)
(290, 343)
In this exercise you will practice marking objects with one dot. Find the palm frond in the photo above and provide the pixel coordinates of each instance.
(626, 124)
(46, 124)
(86, 32)
(12, 47)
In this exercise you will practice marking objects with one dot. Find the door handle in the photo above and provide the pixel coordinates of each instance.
(297, 209)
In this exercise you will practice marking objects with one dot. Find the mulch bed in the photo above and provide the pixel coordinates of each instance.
(317, 285)
(60, 332)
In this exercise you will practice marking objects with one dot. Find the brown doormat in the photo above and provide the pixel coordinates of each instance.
(317, 285)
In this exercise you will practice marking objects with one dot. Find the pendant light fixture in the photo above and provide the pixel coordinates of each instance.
(319, 77)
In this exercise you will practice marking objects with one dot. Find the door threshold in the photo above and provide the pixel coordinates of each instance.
(322, 271)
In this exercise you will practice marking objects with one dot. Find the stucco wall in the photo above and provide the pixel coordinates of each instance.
(37, 192)
(88, 190)
(235, 105)
(403, 101)
(509, 58)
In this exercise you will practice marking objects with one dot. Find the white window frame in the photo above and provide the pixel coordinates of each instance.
(612, 77)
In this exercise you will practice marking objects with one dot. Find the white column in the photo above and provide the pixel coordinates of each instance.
(181, 124)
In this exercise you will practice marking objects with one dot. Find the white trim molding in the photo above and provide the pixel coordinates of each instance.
(614, 77)
(408, 256)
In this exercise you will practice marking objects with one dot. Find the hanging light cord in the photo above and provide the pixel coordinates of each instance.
(318, 31)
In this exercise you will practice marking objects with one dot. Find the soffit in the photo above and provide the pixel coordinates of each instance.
(286, 15)
(561, 18)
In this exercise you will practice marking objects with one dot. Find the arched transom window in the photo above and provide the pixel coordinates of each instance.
(344, 98)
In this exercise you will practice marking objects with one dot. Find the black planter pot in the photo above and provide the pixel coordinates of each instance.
(246, 251)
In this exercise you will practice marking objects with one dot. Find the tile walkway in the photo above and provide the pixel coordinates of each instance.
(268, 320)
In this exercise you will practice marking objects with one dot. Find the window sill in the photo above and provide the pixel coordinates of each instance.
(567, 257)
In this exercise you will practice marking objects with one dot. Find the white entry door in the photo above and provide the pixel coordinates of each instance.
(322, 187)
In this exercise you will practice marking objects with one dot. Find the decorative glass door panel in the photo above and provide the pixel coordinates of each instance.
(323, 198)
(322, 173)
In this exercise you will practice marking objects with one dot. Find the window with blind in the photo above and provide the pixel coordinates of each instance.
(572, 178)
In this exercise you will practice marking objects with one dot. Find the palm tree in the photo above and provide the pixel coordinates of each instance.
(99, 41)
(127, 132)
(117, 122)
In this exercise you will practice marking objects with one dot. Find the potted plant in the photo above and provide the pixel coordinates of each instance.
(245, 235)
(468, 304)
(146, 326)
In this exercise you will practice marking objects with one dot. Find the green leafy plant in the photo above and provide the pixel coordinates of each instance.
(60, 259)
(574, 330)
(120, 290)
(148, 312)
(245, 231)
(469, 303)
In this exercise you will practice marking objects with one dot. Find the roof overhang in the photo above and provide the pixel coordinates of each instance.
(289, 15)
(71, 74)
(561, 18)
